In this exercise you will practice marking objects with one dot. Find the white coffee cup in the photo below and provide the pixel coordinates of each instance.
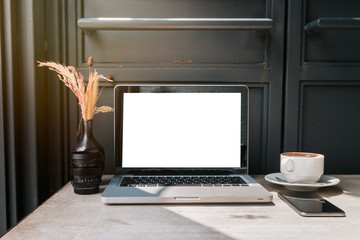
(301, 167)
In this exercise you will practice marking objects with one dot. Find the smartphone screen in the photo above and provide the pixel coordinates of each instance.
(310, 205)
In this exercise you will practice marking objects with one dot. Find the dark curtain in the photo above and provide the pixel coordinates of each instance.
(33, 126)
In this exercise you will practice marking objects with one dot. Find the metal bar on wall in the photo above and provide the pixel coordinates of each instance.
(332, 24)
(91, 24)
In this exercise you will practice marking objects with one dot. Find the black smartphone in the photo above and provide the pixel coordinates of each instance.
(308, 204)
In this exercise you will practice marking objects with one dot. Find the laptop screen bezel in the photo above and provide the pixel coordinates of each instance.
(121, 89)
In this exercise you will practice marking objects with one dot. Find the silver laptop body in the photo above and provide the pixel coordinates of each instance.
(182, 143)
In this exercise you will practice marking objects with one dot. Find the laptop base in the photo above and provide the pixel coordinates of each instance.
(252, 192)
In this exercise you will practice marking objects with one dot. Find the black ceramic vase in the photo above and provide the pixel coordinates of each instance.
(87, 162)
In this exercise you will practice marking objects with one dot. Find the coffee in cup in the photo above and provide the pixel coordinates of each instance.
(301, 167)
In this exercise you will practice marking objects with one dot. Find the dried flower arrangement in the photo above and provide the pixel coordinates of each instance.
(87, 96)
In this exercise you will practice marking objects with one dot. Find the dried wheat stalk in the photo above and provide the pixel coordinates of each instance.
(74, 80)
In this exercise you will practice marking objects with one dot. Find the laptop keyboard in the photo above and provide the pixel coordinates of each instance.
(204, 181)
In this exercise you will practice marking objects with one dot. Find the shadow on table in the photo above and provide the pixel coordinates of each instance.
(180, 218)
(180, 221)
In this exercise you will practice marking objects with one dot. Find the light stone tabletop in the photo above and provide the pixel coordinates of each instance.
(67, 215)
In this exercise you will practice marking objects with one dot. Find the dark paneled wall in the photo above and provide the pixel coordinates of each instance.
(322, 91)
(249, 56)
(18, 125)
(3, 220)
(34, 130)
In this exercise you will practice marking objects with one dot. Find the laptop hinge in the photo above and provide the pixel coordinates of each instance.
(181, 171)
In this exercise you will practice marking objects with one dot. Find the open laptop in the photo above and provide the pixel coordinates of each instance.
(182, 144)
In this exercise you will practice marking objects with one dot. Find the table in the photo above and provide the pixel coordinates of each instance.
(67, 215)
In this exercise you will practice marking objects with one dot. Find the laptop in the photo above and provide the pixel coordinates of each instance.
(182, 143)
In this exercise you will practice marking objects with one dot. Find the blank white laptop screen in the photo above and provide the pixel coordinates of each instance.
(181, 130)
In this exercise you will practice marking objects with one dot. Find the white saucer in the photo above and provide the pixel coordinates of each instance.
(324, 181)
